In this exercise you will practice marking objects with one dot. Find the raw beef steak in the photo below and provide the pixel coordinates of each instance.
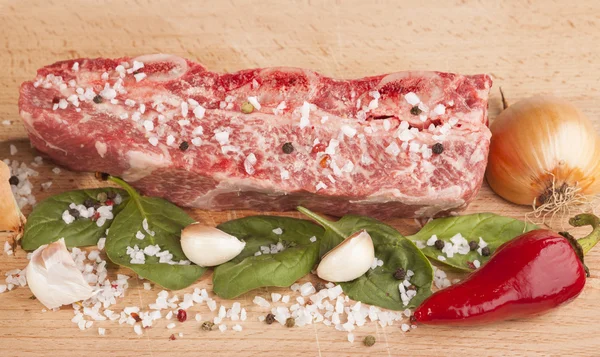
(407, 144)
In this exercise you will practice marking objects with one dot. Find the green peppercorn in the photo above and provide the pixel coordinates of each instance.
(290, 322)
(184, 146)
(439, 244)
(437, 148)
(415, 110)
(399, 274)
(288, 148)
(102, 197)
(97, 99)
(247, 108)
(369, 340)
(207, 325)
(473, 245)
(270, 319)
(485, 251)
(13, 180)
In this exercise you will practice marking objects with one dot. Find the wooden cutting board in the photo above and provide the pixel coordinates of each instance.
(529, 47)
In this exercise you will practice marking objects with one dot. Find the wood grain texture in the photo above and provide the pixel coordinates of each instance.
(529, 47)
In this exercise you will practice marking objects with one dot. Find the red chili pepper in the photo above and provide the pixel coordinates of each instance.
(526, 276)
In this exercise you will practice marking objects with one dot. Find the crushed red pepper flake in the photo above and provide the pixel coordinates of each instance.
(325, 161)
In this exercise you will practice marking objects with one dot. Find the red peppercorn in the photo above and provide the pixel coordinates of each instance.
(181, 315)
(95, 216)
(109, 202)
(319, 148)
(172, 338)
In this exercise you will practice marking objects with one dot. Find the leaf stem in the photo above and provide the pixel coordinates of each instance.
(322, 221)
(588, 242)
(130, 190)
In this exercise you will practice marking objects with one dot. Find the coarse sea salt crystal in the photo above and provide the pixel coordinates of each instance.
(476, 263)
(441, 258)
(305, 115)
(196, 141)
(320, 186)
(313, 239)
(393, 149)
(153, 140)
(412, 98)
(13, 150)
(348, 131)
(139, 76)
(254, 102)
(170, 140)
(431, 241)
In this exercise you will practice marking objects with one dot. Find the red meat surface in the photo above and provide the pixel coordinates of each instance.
(360, 146)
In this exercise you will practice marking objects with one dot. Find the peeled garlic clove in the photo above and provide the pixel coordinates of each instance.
(209, 246)
(11, 218)
(348, 260)
(54, 278)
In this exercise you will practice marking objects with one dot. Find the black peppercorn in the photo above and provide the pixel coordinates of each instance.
(439, 244)
(89, 203)
(399, 274)
(437, 148)
(415, 110)
(73, 212)
(102, 176)
(270, 319)
(485, 251)
(473, 245)
(320, 286)
(97, 99)
(13, 180)
(288, 148)
(111, 195)
(184, 146)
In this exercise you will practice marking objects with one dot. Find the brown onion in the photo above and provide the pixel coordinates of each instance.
(543, 152)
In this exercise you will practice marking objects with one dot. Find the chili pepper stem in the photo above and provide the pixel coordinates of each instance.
(586, 219)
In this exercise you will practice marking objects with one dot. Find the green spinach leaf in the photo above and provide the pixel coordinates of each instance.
(248, 271)
(45, 224)
(166, 221)
(378, 286)
(495, 230)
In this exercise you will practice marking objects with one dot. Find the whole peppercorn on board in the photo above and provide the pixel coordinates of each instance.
(342, 41)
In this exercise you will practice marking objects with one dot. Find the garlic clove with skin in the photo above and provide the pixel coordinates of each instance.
(54, 278)
(348, 260)
(209, 246)
(12, 220)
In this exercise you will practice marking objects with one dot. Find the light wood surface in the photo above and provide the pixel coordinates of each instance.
(529, 47)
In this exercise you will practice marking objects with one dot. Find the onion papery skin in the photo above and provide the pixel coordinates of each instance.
(538, 141)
